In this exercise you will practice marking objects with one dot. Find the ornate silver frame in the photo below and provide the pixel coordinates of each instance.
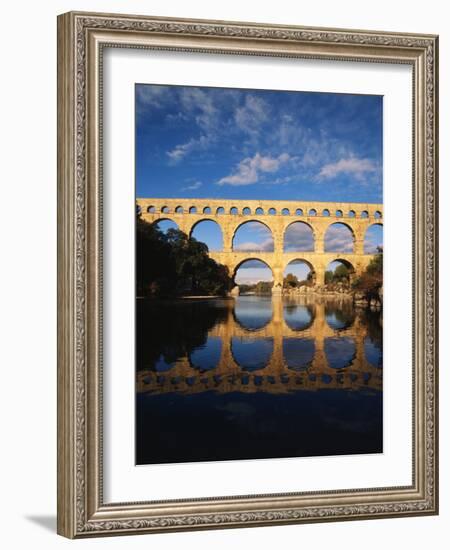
(81, 510)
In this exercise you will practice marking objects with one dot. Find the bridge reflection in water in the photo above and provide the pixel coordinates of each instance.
(272, 345)
(256, 377)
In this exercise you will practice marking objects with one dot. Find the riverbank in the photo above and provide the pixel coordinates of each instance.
(338, 290)
(358, 298)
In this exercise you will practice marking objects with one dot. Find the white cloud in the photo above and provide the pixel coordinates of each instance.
(338, 238)
(198, 106)
(282, 181)
(249, 169)
(253, 276)
(351, 165)
(290, 132)
(263, 246)
(252, 114)
(180, 151)
(193, 186)
(252, 271)
(201, 105)
(339, 245)
(298, 237)
(151, 95)
(373, 241)
(370, 248)
(256, 226)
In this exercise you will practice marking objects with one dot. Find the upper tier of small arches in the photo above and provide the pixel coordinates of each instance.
(259, 211)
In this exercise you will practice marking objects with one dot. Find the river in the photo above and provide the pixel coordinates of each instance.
(256, 377)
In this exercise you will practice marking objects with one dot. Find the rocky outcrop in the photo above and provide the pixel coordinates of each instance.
(338, 289)
(234, 291)
(341, 290)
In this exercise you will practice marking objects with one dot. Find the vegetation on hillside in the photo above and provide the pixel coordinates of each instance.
(172, 264)
(370, 283)
(261, 287)
(340, 275)
(264, 287)
(292, 281)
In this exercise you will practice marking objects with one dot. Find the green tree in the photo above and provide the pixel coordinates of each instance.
(290, 281)
(371, 280)
(173, 264)
(155, 264)
(341, 273)
(375, 266)
(244, 288)
(263, 287)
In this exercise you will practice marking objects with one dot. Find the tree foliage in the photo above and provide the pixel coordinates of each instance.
(263, 287)
(329, 277)
(340, 274)
(371, 281)
(173, 264)
(291, 281)
(245, 288)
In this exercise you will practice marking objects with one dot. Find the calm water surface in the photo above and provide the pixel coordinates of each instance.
(256, 377)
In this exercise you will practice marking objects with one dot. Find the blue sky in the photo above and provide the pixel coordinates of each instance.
(256, 144)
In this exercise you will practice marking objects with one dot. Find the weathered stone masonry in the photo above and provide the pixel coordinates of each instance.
(277, 216)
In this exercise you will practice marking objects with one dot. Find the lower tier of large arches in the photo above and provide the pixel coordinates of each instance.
(317, 263)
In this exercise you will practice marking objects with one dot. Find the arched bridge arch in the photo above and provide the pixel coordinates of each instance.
(277, 216)
(264, 240)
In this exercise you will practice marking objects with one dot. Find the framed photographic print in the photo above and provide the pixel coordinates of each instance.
(247, 274)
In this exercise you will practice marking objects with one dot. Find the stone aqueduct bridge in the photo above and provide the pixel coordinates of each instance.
(277, 216)
(275, 376)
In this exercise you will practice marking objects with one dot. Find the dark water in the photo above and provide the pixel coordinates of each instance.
(256, 377)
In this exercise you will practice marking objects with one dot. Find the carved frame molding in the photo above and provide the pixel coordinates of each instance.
(81, 38)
